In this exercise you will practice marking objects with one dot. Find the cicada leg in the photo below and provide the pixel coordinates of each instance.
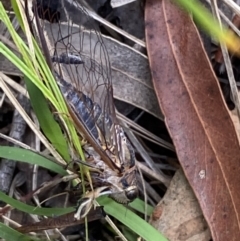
(87, 201)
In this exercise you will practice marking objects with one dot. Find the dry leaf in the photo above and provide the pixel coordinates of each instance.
(178, 216)
(196, 115)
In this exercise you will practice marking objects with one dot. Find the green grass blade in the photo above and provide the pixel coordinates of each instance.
(139, 206)
(21, 46)
(10, 234)
(50, 212)
(25, 70)
(47, 85)
(131, 220)
(128, 233)
(19, 154)
(47, 122)
(210, 25)
(28, 69)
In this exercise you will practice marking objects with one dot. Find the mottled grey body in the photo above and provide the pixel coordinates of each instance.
(123, 185)
(89, 112)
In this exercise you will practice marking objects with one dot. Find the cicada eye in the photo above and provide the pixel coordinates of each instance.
(131, 193)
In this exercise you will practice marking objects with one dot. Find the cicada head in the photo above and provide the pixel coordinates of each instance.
(126, 190)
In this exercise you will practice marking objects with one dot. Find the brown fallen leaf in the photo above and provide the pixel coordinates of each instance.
(196, 115)
(178, 215)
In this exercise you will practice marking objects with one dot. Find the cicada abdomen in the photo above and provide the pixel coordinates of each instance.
(82, 69)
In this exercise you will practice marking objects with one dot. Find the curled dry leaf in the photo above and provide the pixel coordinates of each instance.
(196, 115)
(178, 216)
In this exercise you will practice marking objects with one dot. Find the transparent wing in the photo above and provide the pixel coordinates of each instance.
(82, 68)
(79, 37)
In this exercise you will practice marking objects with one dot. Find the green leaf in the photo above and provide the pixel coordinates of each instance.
(209, 24)
(131, 220)
(25, 69)
(35, 68)
(47, 122)
(50, 90)
(34, 210)
(19, 154)
(10, 234)
(128, 233)
(139, 206)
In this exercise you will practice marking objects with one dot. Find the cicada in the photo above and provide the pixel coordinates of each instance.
(82, 70)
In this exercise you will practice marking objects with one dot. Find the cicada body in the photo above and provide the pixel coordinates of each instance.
(82, 70)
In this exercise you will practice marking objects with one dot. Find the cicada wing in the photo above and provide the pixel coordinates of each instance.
(75, 35)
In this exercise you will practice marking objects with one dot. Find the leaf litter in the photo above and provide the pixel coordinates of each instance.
(206, 171)
(196, 115)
